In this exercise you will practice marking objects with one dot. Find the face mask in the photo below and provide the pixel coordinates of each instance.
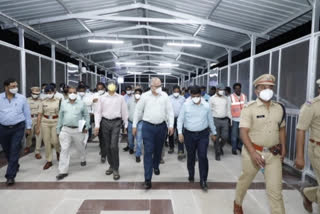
(13, 90)
(221, 93)
(266, 95)
(100, 92)
(42, 91)
(35, 96)
(129, 92)
(72, 96)
(195, 99)
(49, 96)
(61, 89)
(158, 90)
(82, 94)
(137, 96)
(176, 94)
(111, 87)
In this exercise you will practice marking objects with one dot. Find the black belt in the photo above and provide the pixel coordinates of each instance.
(222, 118)
(13, 126)
(159, 124)
(118, 118)
(197, 132)
(72, 127)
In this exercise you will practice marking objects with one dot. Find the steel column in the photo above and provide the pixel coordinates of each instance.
(253, 52)
(23, 75)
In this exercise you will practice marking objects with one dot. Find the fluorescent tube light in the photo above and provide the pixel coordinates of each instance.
(194, 45)
(163, 73)
(125, 63)
(105, 41)
(168, 65)
(132, 72)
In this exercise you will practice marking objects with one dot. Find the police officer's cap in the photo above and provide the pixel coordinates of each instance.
(221, 86)
(265, 79)
(49, 88)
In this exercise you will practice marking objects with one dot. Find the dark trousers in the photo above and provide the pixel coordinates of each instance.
(10, 139)
(222, 128)
(197, 142)
(102, 145)
(172, 138)
(235, 136)
(153, 139)
(110, 136)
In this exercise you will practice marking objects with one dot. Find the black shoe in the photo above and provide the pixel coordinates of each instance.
(84, 163)
(166, 144)
(191, 179)
(234, 152)
(181, 156)
(171, 150)
(61, 176)
(156, 171)
(147, 185)
(131, 151)
(218, 157)
(103, 159)
(10, 181)
(125, 149)
(240, 150)
(138, 159)
(109, 171)
(204, 186)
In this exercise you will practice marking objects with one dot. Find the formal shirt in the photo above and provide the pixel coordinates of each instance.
(87, 99)
(127, 97)
(263, 123)
(220, 106)
(71, 113)
(96, 96)
(34, 105)
(310, 118)
(14, 111)
(132, 103)
(111, 107)
(195, 117)
(154, 109)
(177, 103)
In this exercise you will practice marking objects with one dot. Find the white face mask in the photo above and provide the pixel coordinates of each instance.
(49, 96)
(266, 94)
(196, 99)
(158, 90)
(176, 94)
(137, 96)
(13, 90)
(82, 94)
(72, 96)
(221, 93)
(100, 92)
(35, 96)
(129, 92)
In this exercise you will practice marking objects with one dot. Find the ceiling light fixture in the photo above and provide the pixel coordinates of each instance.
(168, 65)
(126, 63)
(163, 73)
(105, 41)
(193, 45)
(133, 72)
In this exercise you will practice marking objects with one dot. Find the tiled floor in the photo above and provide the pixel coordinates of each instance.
(88, 190)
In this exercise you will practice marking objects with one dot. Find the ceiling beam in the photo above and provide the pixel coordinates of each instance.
(152, 66)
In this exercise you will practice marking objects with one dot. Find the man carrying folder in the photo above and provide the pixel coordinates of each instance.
(69, 128)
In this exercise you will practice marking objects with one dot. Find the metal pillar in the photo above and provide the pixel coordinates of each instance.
(164, 80)
(40, 72)
(253, 52)
(23, 75)
(95, 75)
(229, 65)
(208, 73)
(197, 78)
(135, 80)
(80, 73)
(53, 64)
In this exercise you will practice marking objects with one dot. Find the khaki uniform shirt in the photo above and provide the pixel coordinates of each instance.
(263, 123)
(49, 107)
(34, 108)
(310, 118)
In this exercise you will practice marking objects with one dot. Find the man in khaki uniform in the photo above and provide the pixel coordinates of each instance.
(47, 120)
(309, 118)
(34, 102)
(262, 130)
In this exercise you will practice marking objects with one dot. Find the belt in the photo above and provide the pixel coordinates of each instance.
(222, 118)
(152, 124)
(13, 126)
(34, 115)
(118, 118)
(72, 127)
(275, 150)
(51, 117)
(313, 141)
(197, 132)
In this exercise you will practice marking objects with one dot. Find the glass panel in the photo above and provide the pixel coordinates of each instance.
(244, 73)
(224, 76)
(294, 70)
(32, 69)
(261, 65)
(275, 66)
(46, 75)
(318, 68)
(89, 78)
(60, 75)
(233, 75)
(10, 65)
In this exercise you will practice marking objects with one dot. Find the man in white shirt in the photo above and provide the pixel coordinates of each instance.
(221, 112)
(154, 109)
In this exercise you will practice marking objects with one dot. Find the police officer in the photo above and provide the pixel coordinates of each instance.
(310, 118)
(47, 120)
(262, 130)
(34, 102)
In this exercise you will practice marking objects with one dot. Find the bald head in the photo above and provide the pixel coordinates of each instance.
(155, 84)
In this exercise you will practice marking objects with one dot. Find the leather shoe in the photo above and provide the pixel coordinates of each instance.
(109, 171)
(204, 186)
(191, 179)
(307, 204)
(147, 185)
(26, 150)
(131, 151)
(237, 209)
(83, 163)
(116, 175)
(10, 181)
(138, 159)
(218, 157)
(234, 152)
(125, 149)
(47, 165)
(38, 156)
(171, 150)
(103, 159)
(156, 171)
(58, 156)
(61, 176)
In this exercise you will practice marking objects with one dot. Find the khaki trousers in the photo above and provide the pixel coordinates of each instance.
(50, 138)
(313, 193)
(38, 137)
(67, 137)
(273, 180)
